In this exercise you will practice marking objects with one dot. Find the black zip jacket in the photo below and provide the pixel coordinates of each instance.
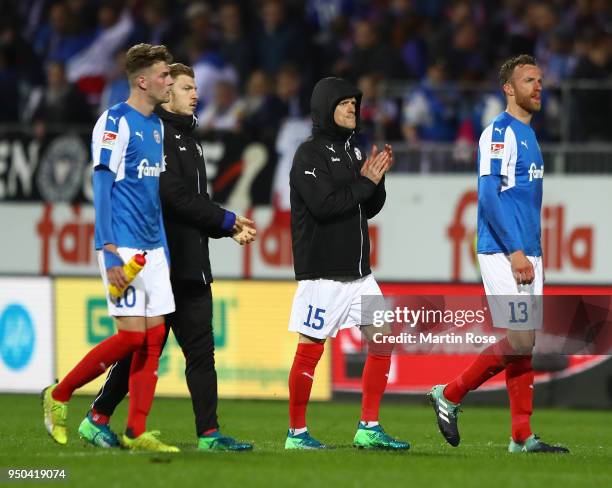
(190, 217)
(330, 201)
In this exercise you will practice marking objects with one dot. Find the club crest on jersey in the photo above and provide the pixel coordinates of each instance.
(145, 170)
(357, 153)
(156, 136)
(108, 139)
(535, 172)
(497, 150)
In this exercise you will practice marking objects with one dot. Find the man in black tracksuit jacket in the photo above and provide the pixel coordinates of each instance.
(334, 191)
(190, 219)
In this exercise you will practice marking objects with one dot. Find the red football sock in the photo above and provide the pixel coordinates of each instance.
(374, 381)
(490, 362)
(301, 377)
(99, 418)
(96, 361)
(143, 378)
(519, 380)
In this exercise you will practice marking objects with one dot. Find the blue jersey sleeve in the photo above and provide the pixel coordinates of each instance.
(103, 180)
(496, 149)
(499, 217)
(109, 139)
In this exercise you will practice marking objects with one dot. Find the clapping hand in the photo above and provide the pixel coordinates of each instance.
(378, 163)
(244, 231)
(389, 150)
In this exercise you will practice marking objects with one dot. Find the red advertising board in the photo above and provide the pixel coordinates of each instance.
(418, 373)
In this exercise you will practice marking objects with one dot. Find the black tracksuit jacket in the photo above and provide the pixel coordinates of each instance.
(330, 201)
(190, 217)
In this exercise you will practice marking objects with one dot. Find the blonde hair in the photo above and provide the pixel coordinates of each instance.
(178, 69)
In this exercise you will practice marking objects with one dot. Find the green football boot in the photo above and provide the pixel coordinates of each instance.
(446, 414)
(302, 441)
(218, 442)
(534, 444)
(54, 414)
(99, 435)
(376, 438)
(148, 442)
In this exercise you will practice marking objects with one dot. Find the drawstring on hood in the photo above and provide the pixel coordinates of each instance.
(326, 95)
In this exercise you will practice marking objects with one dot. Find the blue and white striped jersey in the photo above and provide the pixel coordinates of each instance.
(509, 148)
(131, 146)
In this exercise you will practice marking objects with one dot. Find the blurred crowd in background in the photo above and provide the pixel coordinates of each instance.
(61, 61)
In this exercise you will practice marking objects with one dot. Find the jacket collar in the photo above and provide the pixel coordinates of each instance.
(182, 123)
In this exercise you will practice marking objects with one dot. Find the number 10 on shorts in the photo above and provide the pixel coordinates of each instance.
(318, 321)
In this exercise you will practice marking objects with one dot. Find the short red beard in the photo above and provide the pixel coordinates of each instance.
(527, 104)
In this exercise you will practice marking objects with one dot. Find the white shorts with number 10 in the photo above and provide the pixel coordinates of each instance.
(323, 307)
(150, 294)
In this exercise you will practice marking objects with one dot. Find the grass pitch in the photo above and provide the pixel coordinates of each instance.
(480, 460)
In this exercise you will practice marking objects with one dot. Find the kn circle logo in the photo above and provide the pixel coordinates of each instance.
(60, 175)
(17, 336)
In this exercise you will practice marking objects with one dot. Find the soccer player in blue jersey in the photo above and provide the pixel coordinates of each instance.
(128, 158)
(511, 170)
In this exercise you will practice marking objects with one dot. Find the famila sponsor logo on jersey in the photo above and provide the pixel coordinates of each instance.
(535, 172)
(145, 170)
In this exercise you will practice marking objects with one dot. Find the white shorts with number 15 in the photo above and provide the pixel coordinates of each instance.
(323, 307)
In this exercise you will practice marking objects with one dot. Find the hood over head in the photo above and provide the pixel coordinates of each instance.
(327, 93)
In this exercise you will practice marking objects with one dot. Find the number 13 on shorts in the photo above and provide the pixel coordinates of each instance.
(315, 318)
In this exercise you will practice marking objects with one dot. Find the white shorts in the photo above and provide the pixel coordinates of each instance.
(323, 307)
(149, 294)
(513, 306)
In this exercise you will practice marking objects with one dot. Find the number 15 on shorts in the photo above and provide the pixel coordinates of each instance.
(315, 318)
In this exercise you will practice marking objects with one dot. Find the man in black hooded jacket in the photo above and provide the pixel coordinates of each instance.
(334, 192)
